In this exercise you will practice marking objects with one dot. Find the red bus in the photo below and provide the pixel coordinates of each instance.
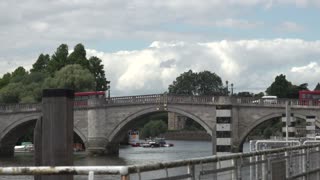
(309, 97)
(81, 98)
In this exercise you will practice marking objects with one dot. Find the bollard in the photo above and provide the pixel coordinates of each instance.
(56, 132)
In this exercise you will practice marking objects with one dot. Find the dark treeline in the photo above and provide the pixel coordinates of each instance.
(60, 70)
(208, 83)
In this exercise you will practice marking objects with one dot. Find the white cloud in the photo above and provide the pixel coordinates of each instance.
(182, 33)
(313, 67)
(250, 64)
(308, 73)
(54, 22)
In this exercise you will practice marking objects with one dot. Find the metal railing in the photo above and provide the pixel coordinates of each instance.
(282, 163)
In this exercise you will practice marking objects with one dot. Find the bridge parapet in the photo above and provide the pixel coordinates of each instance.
(24, 107)
(274, 102)
(164, 99)
(141, 99)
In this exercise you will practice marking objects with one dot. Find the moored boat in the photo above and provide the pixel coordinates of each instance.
(157, 142)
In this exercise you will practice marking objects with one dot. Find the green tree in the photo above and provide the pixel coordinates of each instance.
(202, 83)
(72, 77)
(78, 56)
(184, 84)
(154, 128)
(11, 93)
(5, 80)
(18, 74)
(58, 59)
(282, 88)
(258, 95)
(41, 64)
(279, 87)
(31, 93)
(317, 88)
(97, 69)
(293, 92)
(37, 77)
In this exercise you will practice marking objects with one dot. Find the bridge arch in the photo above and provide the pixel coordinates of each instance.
(261, 120)
(19, 127)
(119, 127)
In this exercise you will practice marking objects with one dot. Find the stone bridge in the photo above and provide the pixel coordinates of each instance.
(101, 124)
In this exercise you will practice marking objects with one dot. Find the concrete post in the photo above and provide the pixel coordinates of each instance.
(57, 130)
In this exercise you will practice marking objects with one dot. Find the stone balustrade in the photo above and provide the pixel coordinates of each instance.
(163, 99)
(20, 107)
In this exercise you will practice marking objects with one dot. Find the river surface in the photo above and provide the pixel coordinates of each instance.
(127, 156)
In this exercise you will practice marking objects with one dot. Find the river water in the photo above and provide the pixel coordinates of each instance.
(127, 156)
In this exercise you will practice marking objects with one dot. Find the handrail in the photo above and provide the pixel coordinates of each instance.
(127, 170)
(65, 170)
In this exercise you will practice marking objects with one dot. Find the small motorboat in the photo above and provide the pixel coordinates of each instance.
(157, 142)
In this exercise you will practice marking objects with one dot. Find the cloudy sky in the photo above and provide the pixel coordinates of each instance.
(146, 44)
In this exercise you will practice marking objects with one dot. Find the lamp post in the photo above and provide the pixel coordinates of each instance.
(108, 88)
(231, 89)
(227, 88)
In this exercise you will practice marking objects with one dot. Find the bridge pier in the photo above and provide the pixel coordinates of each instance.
(97, 141)
(112, 149)
(100, 147)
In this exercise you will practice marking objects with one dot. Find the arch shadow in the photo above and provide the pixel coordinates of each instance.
(260, 121)
(119, 127)
(13, 132)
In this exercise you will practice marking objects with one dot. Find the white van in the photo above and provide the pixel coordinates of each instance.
(269, 99)
(266, 100)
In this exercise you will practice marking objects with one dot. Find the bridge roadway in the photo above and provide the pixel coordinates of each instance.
(102, 124)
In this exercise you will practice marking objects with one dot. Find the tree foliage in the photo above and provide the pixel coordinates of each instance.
(282, 88)
(202, 83)
(97, 69)
(244, 94)
(41, 64)
(11, 93)
(58, 59)
(5, 80)
(78, 56)
(73, 77)
(61, 70)
(154, 128)
(18, 74)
